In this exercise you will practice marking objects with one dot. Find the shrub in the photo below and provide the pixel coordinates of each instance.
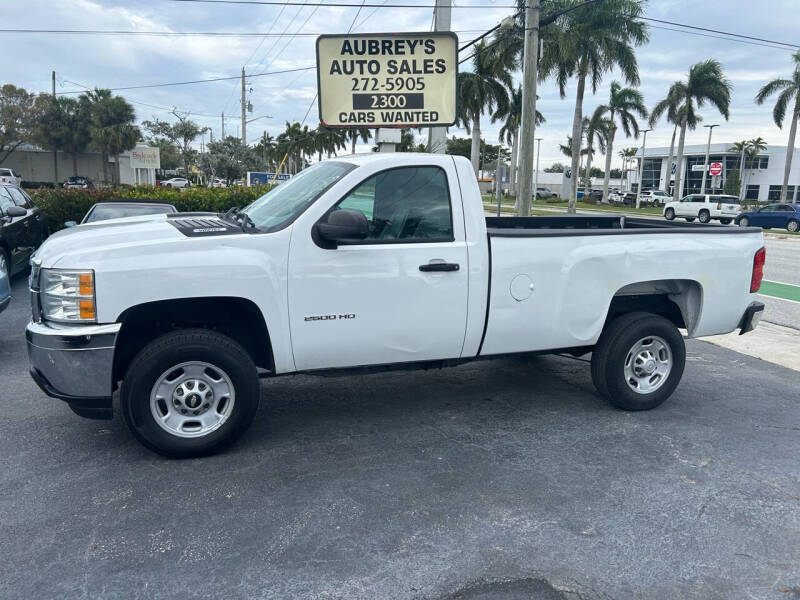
(35, 185)
(60, 205)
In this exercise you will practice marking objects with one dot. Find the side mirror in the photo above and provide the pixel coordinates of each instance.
(70, 223)
(343, 226)
(16, 211)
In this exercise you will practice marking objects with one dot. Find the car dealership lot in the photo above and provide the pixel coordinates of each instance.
(508, 476)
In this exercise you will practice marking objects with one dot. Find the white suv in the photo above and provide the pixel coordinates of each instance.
(704, 208)
(9, 176)
(655, 197)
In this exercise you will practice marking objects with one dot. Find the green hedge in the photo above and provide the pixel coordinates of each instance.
(60, 205)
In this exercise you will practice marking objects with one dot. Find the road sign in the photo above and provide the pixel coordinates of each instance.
(387, 79)
(715, 169)
(260, 178)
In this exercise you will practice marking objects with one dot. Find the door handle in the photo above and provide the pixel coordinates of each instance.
(439, 266)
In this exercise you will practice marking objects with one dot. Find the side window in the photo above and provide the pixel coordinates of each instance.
(769, 208)
(19, 197)
(699, 199)
(785, 208)
(5, 200)
(409, 204)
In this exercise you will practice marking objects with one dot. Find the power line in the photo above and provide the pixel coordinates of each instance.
(155, 85)
(343, 4)
(728, 33)
(719, 37)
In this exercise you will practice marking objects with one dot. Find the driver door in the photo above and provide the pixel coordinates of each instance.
(398, 296)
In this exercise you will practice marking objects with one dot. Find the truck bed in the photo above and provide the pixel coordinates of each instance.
(565, 225)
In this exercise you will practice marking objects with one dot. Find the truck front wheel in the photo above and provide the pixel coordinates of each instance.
(190, 393)
(638, 361)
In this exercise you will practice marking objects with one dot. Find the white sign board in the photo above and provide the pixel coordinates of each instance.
(145, 158)
(387, 79)
(698, 167)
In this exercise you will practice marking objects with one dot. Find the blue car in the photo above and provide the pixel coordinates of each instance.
(778, 216)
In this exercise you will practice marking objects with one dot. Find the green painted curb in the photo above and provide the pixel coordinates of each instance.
(780, 290)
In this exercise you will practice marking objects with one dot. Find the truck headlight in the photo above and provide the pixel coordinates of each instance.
(67, 295)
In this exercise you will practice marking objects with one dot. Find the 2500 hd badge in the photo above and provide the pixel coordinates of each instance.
(329, 317)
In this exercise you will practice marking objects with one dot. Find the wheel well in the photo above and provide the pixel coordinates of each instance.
(679, 300)
(237, 318)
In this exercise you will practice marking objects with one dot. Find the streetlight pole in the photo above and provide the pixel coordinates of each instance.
(641, 168)
(536, 170)
(528, 125)
(705, 164)
(437, 136)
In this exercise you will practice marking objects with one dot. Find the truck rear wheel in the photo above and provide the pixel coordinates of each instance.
(638, 361)
(190, 393)
(704, 216)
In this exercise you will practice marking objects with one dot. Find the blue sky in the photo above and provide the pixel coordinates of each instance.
(118, 61)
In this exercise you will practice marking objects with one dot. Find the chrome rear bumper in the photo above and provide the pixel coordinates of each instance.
(74, 363)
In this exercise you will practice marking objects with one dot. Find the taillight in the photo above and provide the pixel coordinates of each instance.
(758, 270)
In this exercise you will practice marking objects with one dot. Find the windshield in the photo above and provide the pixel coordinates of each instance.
(283, 204)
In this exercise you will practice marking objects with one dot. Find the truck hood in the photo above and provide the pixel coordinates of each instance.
(127, 235)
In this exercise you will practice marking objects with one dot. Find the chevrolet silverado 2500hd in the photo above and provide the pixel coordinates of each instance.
(367, 262)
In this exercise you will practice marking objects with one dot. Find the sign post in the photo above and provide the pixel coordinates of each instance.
(387, 79)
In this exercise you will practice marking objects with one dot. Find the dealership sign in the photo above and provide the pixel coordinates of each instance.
(145, 158)
(387, 79)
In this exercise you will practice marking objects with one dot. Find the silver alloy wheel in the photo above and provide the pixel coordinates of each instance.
(192, 399)
(648, 365)
(744, 222)
(3, 263)
(792, 226)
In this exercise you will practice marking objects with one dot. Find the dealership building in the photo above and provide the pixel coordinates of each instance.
(762, 177)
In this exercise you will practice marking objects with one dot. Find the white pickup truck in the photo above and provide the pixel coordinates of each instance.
(367, 262)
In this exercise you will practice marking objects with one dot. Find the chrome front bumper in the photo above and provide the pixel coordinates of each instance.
(74, 363)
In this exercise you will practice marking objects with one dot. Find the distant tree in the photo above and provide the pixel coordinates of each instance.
(616, 173)
(63, 124)
(180, 133)
(112, 127)
(596, 173)
(170, 157)
(459, 146)
(228, 159)
(17, 118)
(733, 184)
(555, 168)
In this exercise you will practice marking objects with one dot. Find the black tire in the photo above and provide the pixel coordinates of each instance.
(611, 352)
(793, 225)
(743, 222)
(704, 216)
(167, 185)
(725, 221)
(689, 219)
(669, 214)
(174, 349)
(4, 257)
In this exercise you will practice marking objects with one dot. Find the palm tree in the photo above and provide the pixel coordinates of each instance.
(597, 128)
(755, 146)
(112, 128)
(789, 95)
(740, 147)
(354, 134)
(706, 83)
(623, 104)
(482, 88)
(509, 132)
(586, 43)
(626, 154)
(671, 106)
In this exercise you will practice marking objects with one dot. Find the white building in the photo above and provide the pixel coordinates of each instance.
(762, 177)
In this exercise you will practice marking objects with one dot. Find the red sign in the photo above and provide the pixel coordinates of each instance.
(715, 169)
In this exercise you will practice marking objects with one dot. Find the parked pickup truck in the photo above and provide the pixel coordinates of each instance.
(367, 262)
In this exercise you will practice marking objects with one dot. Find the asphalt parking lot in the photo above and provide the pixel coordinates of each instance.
(507, 478)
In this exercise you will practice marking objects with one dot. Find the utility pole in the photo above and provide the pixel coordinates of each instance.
(641, 168)
(498, 175)
(536, 171)
(55, 150)
(437, 136)
(223, 127)
(244, 113)
(528, 126)
(705, 164)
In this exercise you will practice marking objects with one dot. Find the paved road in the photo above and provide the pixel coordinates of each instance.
(500, 479)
